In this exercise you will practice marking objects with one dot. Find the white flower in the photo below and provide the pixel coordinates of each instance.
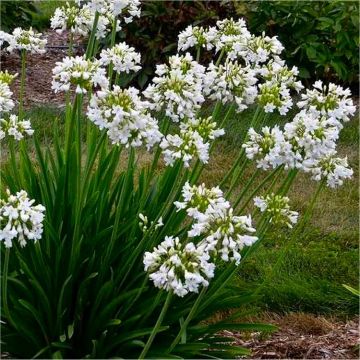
(178, 268)
(259, 49)
(123, 57)
(83, 74)
(15, 128)
(6, 103)
(230, 36)
(331, 101)
(196, 36)
(231, 82)
(6, 77)
(113, 8)
(308, 136)
(331, 168)
(277, 208)
(20, 219)
(78, 20)
(205, 127)
(124, 116)
(177, 88)
(227, 234)
(4, 37)
(265, 148)
(26, 40)
(200, 202)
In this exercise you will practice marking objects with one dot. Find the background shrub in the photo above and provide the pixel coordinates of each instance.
(320, 37)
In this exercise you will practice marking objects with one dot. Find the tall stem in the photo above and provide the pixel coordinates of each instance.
(157, 326)
(90, 46)
(112, 43)
(188, 319)
(4, 285)
(22, 84)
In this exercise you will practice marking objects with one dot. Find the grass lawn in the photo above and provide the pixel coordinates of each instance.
(314, 267)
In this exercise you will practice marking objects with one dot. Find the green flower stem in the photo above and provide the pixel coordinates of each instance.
(220, 57)
(157, 326)
(5, 307)
(198, 50)
(91, 42)
(117, 79)
(13, 157)
(260, 186)
(22, 84)
(285, 186)
(236, 176)
(112, 43)
(188, 319)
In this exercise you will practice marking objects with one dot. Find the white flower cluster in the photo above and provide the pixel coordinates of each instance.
(78, 20)
(265, 148)
(196, 36)
(83, 74)
(123, 57)
(274, 93)
(183, 268)
(177, 87)
(277, 208)
(192, 141)
(177, 267)
(125, 117)
(331, 168)
(223, 233)
(332, 102)
(20, 219)
(21, 39)
(6, 102)
(231, 82)
(15, 128)
(308, 142)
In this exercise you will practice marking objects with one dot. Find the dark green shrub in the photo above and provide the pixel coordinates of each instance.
(320, 37)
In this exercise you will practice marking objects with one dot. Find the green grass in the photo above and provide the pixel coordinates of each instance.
(314, 268)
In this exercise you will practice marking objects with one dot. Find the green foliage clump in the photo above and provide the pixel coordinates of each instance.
(320, 37)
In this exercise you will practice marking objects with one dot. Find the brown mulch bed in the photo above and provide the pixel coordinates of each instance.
(303, 336)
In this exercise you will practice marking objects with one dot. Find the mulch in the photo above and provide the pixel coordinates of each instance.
(303, 336)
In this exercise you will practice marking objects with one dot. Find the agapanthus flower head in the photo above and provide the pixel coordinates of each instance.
(265, 147)
(20, 219)
(331, 101)
(6, 102)
(113, 8)
(179, 268)
(205, 127)
(123, 57)
(277, 209)
(6, 77)
(227, 234)
(26, 40)
(330, 168)
(15, 128)
(308, 136)
(83, 74)
(196, 36)
(184, 146)
(259, 49)
(199, 201)
(125, 117)
(231, 82)
(230, 36)
(177, 87)
(76, 19)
